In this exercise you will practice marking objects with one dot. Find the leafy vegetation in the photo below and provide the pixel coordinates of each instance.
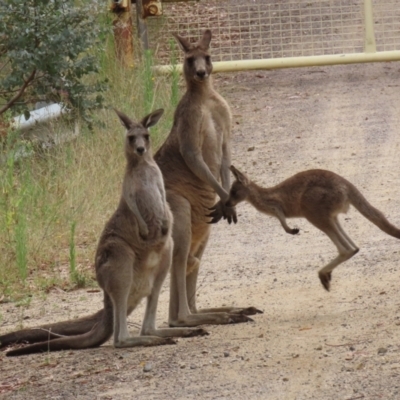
(46, 52)
(55, 202)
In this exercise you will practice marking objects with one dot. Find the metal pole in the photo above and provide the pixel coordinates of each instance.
(141, 25)
(369, 38)
(291, 62)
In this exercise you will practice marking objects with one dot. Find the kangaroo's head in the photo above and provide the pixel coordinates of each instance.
(197, 64)
(239, 189)
(137, 142)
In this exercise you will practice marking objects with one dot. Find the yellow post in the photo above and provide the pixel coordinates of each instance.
(369, 38)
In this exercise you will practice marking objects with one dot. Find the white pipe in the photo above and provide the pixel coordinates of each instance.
(38, 116)
(290, 62)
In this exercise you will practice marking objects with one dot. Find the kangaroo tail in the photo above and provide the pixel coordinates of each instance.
(371, 213)
(51, 331)
(91, 333)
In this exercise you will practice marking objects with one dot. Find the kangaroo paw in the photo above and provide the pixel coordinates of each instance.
(325, 278)
(295, 231)
(239, 318)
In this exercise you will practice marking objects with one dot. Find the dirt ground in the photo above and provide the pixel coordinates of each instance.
(308, 344)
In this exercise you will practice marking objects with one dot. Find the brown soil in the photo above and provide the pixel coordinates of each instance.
(308, 344)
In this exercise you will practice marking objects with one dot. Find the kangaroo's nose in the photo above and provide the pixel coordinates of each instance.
(140, 150)
(201, 73)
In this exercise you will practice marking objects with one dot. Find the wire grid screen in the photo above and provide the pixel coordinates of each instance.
(256, 29)
(387, 24)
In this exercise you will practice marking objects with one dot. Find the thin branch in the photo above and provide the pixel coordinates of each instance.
(5, 64)
(357, 397)
(20, 93)
(49, 332)
(346, 344)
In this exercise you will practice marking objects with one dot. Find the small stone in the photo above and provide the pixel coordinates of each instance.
(318, 348)
(182, 366)
(148, 367)
(352, 348)
(251, 148)
(226, 354)
(285, 379)
(349, 356)
(382, 351)
(193, 366)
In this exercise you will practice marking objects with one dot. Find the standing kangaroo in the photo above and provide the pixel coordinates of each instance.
(194, 157)
(132, 259)
(317, 195)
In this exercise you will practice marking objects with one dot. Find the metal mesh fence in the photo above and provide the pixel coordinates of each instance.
(262, 29)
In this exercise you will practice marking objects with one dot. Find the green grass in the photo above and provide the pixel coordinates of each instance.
(54, 203)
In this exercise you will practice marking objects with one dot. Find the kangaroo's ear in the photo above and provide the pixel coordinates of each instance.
(204, 42)
(184, 44)
(124, 119)
(152, 119)
(240, 177)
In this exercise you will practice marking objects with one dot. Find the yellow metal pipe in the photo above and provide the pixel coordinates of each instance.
(291, 62)
(369, 35)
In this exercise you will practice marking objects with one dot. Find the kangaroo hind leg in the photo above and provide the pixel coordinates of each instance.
(149, 328)
(118, 277)
(238, 314)
(184, 272)
(345, 246)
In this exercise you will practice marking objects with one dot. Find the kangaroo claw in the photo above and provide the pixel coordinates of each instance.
(199, 332)
(251, 311)
(325, 278)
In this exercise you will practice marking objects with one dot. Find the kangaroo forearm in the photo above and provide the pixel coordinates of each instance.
(225, 164)
(131, 202)
(201, 170)
(225, 176)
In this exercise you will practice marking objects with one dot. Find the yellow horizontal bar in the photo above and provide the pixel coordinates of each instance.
(292, 62)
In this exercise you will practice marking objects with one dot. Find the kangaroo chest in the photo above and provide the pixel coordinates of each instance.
(150, 196)
(215, 128)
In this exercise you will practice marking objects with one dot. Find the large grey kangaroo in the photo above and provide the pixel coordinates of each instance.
(194, 158)
(132, 259)
(317, 195)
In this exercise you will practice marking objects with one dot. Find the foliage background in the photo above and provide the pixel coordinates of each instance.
(55, 202)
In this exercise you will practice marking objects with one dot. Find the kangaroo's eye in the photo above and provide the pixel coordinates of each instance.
(233, 193)
(147, 137)
(208, 59)
(131, 139)
(190, 60)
